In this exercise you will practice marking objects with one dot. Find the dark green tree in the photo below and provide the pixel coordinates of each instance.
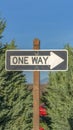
(2, 26)
(59, 96)
(15, 97)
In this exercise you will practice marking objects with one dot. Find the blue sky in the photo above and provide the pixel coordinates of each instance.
(49, 20)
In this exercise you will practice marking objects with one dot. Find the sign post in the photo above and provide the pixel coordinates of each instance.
(36, 91)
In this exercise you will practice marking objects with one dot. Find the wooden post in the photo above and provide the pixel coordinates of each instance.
(36, 91)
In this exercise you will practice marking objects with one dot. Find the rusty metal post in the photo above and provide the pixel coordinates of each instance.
(36, 91)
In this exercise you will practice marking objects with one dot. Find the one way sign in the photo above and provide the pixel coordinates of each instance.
(47, 60)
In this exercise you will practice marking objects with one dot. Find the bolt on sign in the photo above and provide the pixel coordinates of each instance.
(39, 60)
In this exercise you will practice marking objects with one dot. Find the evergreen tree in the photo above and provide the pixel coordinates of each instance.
(15, 98)
(2, 27)
(59, 96)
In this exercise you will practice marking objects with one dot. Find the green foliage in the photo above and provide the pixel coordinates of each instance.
(2, 26)
(59, 97)
(15, 97)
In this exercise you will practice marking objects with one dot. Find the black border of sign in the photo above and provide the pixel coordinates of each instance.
(39, 50)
